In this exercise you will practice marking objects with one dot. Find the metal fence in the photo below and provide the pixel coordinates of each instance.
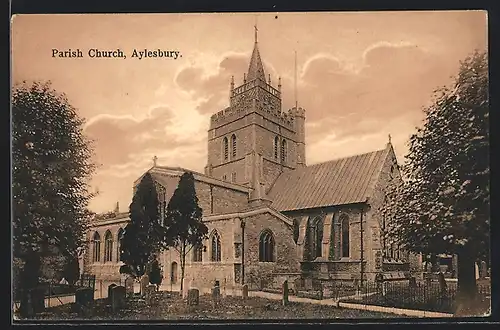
(429, 296)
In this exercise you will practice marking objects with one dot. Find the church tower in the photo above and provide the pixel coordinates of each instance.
(252, 141)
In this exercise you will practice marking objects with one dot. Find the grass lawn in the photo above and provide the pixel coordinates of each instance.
(172, 307)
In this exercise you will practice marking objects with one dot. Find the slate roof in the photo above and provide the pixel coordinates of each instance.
(338, 182)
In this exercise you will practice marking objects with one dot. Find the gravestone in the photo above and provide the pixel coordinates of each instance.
(412, 282)
(149, 293)
(144, 284)
(110, 288)
(216, 294)
(118, 294)
(483, 272)
(84, 297)
(285, 292)
(442, 283)
(193, 298)
(129, 286)
(244, 291)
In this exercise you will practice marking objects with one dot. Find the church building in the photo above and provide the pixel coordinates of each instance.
(270, 216)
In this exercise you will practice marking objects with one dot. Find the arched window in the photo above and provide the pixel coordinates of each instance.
(283, 151)
(119, 243)
(96, 243)
(344, 223)
(276, 147)
(215, 247)
(315, 237)
(226, 148)
(198, 253)
(266, 246)
(108, 246)
(233, 146)
(173, 273)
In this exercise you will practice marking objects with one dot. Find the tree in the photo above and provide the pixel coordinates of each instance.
(155, 276)
(144, 234)
(51, 168)
(443, 205)
(183, 220)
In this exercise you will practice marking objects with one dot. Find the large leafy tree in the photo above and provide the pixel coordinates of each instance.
(144, 235)
(183, 220)
(443, 205)
(51, 168)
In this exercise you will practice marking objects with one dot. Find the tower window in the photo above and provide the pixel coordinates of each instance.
(224, 177)
(233, 146)
(283, 151)
(276, 147)
(233, 177)
(226, 148)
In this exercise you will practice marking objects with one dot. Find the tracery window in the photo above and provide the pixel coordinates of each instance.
(215, 247)
(266, 246)
(344, 224)
(108, 246)
(96, 244)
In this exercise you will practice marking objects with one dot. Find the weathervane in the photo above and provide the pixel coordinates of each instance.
(154, 160)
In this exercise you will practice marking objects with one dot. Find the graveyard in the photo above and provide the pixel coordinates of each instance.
(172, 306)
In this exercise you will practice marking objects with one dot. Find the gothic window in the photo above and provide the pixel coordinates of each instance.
(233, 146)
(315, 237)
(344, 224)
(108, 246)
(173, 273)
(226, 148)
(266, 246)
(119, 243)
(233, 177)
(198, 253)
(215, 247)
(276, 147)
(96, 243)
(224, 177)
(283, 151)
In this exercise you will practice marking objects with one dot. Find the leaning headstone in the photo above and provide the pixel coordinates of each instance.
(118, 294)
(216, 294)
(193, 297)
(244, 291)
(110, 289)
(144, 284)
(285, 293)
(129, 286)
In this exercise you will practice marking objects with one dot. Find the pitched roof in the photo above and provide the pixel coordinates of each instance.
(338, 182)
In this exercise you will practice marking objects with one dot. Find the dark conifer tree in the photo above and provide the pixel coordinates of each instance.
(183, 222)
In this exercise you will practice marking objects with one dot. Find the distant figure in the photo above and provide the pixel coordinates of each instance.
(63, 281)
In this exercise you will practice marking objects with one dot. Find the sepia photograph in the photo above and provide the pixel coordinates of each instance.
(263, 166)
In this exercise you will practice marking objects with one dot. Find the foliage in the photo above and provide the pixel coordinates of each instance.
(444, 203)
(144, 235)
(155, 276)
(183, 220)
(71, 271)
(51, 168)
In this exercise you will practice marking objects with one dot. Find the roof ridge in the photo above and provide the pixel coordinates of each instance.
(346, 157)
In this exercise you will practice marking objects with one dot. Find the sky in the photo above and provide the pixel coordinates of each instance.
(360, 76)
